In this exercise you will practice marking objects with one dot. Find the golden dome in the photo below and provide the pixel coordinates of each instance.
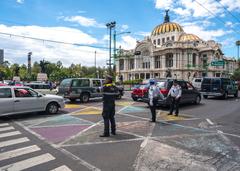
(166, 27)
(188, 37)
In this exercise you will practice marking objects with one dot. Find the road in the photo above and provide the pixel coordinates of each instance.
(203, 137)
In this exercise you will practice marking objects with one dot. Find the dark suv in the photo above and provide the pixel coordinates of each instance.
(189, 93)
(218, 87)
(83, 88)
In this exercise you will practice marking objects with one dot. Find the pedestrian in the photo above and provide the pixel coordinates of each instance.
(175, 94)
(109, 96)
(154, 94)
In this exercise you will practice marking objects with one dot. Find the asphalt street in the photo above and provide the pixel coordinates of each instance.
(203, 137)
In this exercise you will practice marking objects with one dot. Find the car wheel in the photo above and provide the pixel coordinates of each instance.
(225, 96)
(205, 96)
(236, 94)
(84, 97)
(52, 108)
(134, 98)
(197, 100)
(119, 96)
(72, 100)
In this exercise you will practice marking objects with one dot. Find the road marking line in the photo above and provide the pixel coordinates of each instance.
(18, 152)
(28, 163)
(62, 168)
(209, 121)
(12, 142)
(81, 161)
(9, 134)
(6, 128)
(4, 124)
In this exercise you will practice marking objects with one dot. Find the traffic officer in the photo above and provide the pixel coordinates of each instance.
(154, 94)
(109, 95)
(175, 94)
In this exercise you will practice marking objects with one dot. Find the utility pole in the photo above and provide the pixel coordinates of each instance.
(238, 44)
(29, 64)
(95, 62)
(110, 26)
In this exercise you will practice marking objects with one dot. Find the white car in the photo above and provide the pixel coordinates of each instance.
(20, 99)
(197, 82)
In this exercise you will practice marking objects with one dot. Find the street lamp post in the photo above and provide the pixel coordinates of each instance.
(238, 44)
(111, 26)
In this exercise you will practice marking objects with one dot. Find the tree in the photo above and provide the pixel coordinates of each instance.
(236, 74)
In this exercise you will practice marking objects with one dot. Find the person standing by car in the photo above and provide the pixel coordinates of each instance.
(175, 94)
(153, 94)
(109, 96)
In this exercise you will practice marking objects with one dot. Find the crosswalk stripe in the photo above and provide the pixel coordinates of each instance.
(62, 168)
(6, 128)
(4, 124)
(19, 152)
(28, 163)
(12, 142)
(9, 134)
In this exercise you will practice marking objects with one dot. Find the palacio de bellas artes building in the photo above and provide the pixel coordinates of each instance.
(171, 52)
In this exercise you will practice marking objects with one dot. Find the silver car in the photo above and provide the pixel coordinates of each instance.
(20, 99)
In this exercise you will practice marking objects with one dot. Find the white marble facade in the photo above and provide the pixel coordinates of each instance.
(170, 52)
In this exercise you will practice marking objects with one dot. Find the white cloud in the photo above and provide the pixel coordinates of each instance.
(202, 32)
(231, 4)
(127, 42)
(20, 1)
(16, 49)
(84, 21)
(229, 24)
(143, 33)
(182, 12)
(163, 4)
(124, 27)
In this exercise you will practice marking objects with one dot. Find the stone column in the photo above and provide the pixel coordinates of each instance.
(174, 61)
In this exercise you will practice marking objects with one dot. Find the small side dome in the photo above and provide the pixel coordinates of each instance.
(188, 37)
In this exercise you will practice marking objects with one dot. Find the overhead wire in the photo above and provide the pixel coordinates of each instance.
(219, 19)
(228, 10)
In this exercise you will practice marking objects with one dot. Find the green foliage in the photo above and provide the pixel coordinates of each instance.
(55, 71)
(236, 74)
(132, 82)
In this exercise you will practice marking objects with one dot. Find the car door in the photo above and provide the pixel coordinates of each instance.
(6, 101)
(185, 93)
(96, 86)
(27, 100)
(191, 92)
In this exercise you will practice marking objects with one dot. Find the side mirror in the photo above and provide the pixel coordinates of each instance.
(39, 95)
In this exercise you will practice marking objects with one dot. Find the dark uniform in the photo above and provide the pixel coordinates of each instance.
(109, 95)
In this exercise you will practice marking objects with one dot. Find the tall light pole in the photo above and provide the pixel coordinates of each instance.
(29, 64)
(95, 62)
(238, 44)
(110, 26)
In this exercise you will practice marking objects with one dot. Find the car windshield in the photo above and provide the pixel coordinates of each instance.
(161, 84)
(143, 86)
(65, 83)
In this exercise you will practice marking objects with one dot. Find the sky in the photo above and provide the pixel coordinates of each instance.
(83, 22)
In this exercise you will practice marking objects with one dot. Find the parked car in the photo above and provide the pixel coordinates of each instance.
(138, 92)
(2, 84)
(83, 88)
(15, 83)
(189, 93)
(197, 82)
(41, 87)
(21, 99)
(218, 87)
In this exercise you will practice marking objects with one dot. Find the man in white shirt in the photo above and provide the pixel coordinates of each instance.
(154, 94)
(175, 94)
